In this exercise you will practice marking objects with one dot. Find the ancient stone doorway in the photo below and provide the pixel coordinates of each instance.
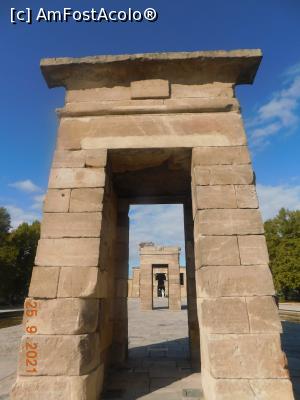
(161, 289)
(151, 128)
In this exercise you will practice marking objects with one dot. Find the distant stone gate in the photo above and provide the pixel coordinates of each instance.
(159, 270)
(146, 129)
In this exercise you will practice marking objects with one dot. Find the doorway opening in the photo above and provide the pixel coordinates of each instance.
(154, 320)
(160, 286)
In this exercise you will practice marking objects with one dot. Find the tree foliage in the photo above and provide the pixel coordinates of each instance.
(4, 222)
(17, 253)
(283, 239)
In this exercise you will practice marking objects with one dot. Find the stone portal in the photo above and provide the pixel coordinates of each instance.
(159, 265)
(147, 129)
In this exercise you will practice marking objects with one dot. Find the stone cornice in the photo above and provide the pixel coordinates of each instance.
(236, 66)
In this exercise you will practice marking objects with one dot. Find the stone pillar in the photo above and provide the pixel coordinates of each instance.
(174, 284)
(120, 332)
(194, 338)
(146, 286)
(241, 356)
(135, 282)
(60, 353)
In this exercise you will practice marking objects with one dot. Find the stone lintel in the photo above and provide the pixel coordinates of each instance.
(236, 66)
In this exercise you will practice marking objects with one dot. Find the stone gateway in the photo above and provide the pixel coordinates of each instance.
(147, 129)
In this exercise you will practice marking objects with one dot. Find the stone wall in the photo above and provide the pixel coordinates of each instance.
(241, 355)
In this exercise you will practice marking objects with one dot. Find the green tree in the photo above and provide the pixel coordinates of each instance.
(24, 239)
(17, 253)
(283, 239)
(4, 222)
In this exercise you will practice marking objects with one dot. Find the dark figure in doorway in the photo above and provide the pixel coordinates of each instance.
(161, 290)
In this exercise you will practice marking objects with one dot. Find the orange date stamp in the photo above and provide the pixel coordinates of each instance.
(31, 347)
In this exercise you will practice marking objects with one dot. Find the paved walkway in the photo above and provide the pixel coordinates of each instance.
(158, 366)
(290, 307)
(9, 346)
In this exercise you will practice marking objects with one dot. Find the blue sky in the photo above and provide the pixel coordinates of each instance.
(270, 107)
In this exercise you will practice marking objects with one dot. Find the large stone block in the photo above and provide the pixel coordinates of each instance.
(224, 315)
(206, 90)
(150, 88)
(232, 389)
(272, 389)
(140, 131)
(61, 354)
(253, 250)
(95, 158)
(44, 281)
(246, 356)
(86, 200)
(79, 158)
(223, 175)
(98, 94)
(228, 222)
(254, 389)
(85, 387)
(219, 281)
(78, 282)
(246, 196)
(68, 159)
(69, 252)
(263, 314)
(60, 225)
(63, 316)
(61, 178)
(216, 250)
(219, 196)
(57, 200)
(220, 155)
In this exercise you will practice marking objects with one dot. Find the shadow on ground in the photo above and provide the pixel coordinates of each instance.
(291, 346)
(157, 371)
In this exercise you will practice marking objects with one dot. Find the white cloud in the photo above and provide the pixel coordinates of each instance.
(293, 70)
(19, 215)
(272, 198)
(159, 223)
(38, 202)
(26, 186)
(280, 113)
